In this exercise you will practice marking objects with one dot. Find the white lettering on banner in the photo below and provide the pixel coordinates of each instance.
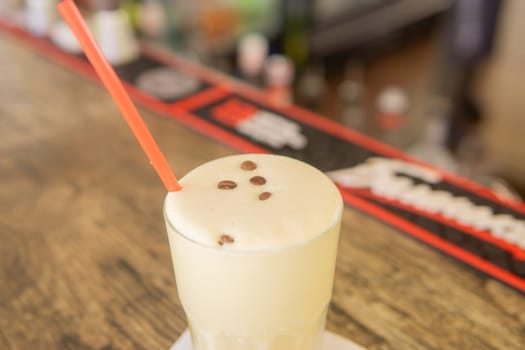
(381, 176)
(272, 129)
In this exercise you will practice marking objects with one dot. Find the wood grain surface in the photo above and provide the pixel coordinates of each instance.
(84, 257)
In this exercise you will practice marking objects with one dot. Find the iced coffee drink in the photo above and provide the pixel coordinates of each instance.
(253, 240)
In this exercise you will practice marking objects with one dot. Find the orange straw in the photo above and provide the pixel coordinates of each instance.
(73, 18)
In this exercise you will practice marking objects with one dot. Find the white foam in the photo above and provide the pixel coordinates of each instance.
(303, 205)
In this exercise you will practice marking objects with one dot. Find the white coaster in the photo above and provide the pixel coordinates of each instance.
(331, 342)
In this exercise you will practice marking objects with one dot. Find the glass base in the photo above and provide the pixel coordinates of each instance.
(331, 342)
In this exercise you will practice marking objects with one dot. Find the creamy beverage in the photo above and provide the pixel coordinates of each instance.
(253, 240)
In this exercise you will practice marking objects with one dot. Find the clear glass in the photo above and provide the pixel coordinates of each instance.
(270, 300)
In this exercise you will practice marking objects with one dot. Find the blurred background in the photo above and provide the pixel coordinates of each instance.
(439, 79)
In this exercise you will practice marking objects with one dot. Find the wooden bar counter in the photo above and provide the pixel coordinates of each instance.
(84, 256)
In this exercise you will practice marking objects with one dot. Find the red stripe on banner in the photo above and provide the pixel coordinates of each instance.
(201, 98)
(233, 112)
(433, 240)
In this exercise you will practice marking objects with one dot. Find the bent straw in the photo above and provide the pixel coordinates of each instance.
(73, 18)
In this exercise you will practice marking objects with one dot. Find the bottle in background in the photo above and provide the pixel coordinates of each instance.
(161, 21)
(114, 33)
(431, 146)
(351, 95)
(279, 73)
(295, 36)
(311, 86)
(259, 16)
(392, 104)
(40, 16)
(252, 51)
(152, 19)
(210, 31)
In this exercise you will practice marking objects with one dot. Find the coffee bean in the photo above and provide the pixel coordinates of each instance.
(226, 185)
(258, 180)
(265, 195)
(225, 239)
(248, 165)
